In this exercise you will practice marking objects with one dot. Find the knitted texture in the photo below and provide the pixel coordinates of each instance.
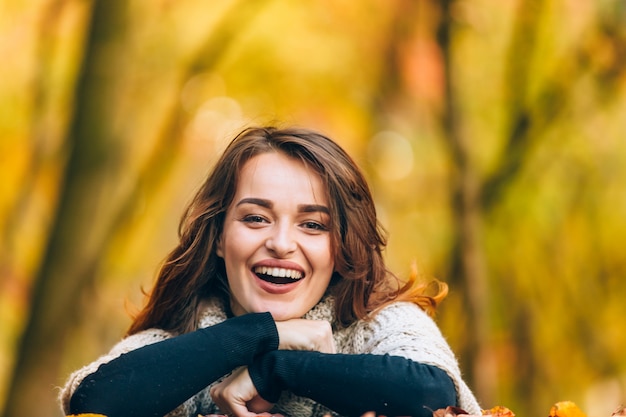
(400, 329)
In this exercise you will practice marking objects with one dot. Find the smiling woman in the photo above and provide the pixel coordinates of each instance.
(276, 240)
(277, 300)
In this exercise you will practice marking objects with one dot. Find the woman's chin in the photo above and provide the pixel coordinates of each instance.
(282, 311)
(284, 316)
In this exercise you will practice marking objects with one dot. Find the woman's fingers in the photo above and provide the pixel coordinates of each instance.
(236, 393)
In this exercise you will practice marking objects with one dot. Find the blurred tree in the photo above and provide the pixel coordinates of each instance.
(86, 204)
(99, 189)
(538, 96)
(535, 102)
(513, 191)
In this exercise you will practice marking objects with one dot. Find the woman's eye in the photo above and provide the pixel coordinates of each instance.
(314, 226)
(253, 218)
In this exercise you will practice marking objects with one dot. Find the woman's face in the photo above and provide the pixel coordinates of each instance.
(276, 239)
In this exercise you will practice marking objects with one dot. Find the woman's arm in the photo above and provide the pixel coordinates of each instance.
(354, 384)
(155, 379)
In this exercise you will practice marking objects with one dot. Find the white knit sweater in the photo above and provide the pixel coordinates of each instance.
(400, 329)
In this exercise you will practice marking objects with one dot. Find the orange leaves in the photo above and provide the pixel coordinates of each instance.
(559, 409)
(566, 409)
(450, 412)
(497, 411)
(86, 415)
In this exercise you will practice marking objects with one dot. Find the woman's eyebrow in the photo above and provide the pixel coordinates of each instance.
(302, 208)
(313, 208)
(256, 201)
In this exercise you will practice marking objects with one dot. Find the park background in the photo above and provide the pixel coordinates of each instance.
(492, 133)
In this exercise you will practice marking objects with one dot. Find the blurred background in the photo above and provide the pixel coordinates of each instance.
(492, 134)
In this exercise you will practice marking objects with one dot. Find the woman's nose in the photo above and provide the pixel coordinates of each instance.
(281, 241)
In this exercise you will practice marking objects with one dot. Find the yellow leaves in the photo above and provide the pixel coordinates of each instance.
(450, 412)
(566, 409)
(86, 415)
(559, 409)
(498, 411)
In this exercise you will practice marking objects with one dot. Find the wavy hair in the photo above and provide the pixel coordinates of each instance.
(361, 282)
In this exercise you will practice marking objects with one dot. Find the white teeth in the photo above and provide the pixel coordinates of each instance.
(278, 272)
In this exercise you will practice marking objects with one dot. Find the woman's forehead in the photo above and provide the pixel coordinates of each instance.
(277, 176)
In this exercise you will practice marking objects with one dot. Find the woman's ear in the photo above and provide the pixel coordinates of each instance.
(219, 249)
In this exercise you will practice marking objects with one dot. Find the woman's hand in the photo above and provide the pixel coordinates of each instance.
(237, 396)
(301, 334)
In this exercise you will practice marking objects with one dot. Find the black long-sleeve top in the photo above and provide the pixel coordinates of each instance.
(153, 380)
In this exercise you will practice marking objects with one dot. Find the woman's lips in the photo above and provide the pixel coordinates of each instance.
(276, 278)
(277, 275)
(276, 285)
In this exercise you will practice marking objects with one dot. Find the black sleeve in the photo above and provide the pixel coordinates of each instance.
(155, 379)
(354, 384)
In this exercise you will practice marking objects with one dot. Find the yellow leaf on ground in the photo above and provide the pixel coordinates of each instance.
(566, 409)
(498, 411)
(86, 415)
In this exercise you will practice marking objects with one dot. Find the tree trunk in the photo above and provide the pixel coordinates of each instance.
(468, 255)
(86, 203)
(97, 194)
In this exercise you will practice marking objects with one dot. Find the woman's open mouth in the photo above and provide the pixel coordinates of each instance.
(278, 275)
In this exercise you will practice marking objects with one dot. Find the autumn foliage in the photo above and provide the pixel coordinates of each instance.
(559, 409)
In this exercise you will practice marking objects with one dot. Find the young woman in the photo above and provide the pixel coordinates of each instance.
(277, 300)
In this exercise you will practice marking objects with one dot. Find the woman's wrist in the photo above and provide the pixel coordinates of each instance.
(301, 334)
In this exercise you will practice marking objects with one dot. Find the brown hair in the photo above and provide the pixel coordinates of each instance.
(361, 282)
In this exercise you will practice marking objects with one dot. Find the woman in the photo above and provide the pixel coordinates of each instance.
(277, 299)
